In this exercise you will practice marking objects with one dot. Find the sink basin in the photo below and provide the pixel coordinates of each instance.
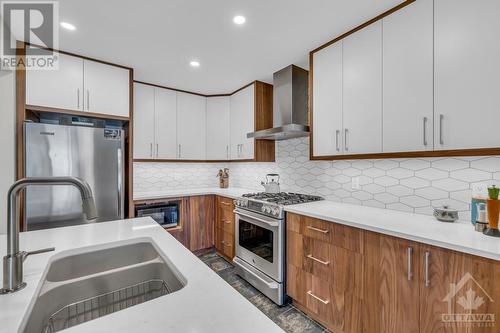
(90, 283)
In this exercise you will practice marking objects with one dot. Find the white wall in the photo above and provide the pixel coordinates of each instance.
(7, 141)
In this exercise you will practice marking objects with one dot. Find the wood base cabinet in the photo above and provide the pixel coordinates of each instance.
(352, 280)
(224, 227)
(324, 271)
(201, 222)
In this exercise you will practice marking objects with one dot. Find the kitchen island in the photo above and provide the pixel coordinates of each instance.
(205, 304)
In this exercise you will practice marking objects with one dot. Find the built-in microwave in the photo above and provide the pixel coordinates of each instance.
(166, 214)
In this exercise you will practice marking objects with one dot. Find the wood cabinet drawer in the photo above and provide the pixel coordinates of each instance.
(226, 224)
(225, 203)
(224, 243)
(339, 235)
(337, 308)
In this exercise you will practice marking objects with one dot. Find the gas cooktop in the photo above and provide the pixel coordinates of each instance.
(283, 198)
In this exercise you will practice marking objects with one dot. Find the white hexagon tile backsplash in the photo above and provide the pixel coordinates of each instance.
(412, 185)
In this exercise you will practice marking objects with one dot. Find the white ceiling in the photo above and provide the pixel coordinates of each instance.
(158, 38)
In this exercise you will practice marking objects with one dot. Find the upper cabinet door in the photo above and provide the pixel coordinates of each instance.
(362, 91)
(327, 101)
(467, 74)
(218, 124)
(165, 124)
(242, 123)
(106, 89)
(408, 78)
(144, 121)
(61, 88)
(191, 122)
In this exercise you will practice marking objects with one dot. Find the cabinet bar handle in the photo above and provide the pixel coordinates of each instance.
(78, 97)
(151, 149)
(441, 120)
(156, 150)
(226, 221)
(346, 131)
(225, 203)
(88, 100)
(326, 263)
(425, 131)
(323, 231)
(325, 302)
(227, 152)
(427, 281)
(337, 135)
(179, 150)
(409, 254)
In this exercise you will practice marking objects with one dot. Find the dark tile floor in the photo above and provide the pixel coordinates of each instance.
(287, 317)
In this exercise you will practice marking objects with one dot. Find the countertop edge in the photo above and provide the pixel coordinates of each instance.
(399, 234)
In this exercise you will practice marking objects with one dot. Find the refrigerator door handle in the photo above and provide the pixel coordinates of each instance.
(120, 182)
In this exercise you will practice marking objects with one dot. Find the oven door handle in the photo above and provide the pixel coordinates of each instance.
(272, 224)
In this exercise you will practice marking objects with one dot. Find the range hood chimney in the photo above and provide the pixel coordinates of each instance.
(290, 117)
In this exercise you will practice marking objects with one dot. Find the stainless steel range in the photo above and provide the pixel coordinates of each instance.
(260, 240)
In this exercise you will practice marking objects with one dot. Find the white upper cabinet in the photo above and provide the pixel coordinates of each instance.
(191, 125)
(61, 88)
(327, 101)
(408, 78)
(144, 121)
(80, 85)
(165, 105)
(242, 123)
(362, 91)
(106, 89)
(467, 74)
(218, 125)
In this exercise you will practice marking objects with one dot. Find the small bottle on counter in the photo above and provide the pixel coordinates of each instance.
(481, 221)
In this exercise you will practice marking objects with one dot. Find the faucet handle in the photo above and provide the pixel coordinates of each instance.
(26, 254)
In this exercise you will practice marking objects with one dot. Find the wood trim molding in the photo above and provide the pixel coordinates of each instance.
(78, 56)
(197, 93)
(129, 155)
(365, 24)
(146, 160)
(47, 109)
(434, 153)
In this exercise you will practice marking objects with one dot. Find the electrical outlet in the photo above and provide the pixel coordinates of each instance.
(355, 183)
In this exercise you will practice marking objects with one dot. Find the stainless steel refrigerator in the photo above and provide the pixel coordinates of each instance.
(95, 155)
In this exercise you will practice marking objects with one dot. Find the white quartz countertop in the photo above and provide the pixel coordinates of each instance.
(457, 236)
(232, 192)
(206, 304)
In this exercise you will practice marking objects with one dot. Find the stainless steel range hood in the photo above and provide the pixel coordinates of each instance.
(290, 117)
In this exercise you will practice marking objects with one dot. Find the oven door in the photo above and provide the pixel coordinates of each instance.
(259, 242)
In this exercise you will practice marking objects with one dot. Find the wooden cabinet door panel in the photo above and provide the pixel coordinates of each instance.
(391, 285)
(442, 269)
(201, 222)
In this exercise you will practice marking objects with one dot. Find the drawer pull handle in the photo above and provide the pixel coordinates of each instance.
(326, 263)
(226, 221)
(310, 227)
(225, 203)
(317, 298)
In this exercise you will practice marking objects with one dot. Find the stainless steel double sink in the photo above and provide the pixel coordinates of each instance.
(89, 283)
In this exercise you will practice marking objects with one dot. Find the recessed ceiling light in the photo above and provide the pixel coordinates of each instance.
(194, 63)
(239, 19)
(68, 26)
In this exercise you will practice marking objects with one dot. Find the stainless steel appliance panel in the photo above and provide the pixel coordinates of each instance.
(260, 242)
(94, 154)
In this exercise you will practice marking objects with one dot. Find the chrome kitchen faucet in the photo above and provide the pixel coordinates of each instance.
(13, 261)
